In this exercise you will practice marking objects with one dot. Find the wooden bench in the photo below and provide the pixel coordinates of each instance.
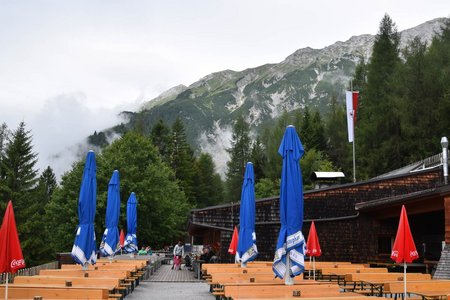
(281, 291)
(416, 287)
(338, 274)
(22, 292)
(112, 283)
(344, 296)
(371, 283)
(123, 276)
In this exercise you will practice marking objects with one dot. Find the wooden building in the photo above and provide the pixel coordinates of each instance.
(355, 222)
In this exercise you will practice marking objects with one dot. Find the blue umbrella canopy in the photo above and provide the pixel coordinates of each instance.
(110, 238)
(84, 248)
(290, 240)
(247, 249)
(131, 245)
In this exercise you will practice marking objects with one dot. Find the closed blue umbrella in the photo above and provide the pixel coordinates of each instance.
(131, 245)
(289, 255)
(84, 248)
(110, 238)
(247, 239)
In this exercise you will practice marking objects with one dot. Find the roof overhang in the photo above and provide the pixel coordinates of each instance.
(196, 227)
(421, 201)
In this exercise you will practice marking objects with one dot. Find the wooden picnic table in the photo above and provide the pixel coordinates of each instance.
(50, 292)
(376, 281)
(436, 294)
(340, 297)
(113, 284)
(281, 291)
(339, 273)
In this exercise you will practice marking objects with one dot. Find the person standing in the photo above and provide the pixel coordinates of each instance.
(178, 253)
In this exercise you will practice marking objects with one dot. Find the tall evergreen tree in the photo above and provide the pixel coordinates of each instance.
(438, 79)
(258, 158)
(20, 174)
(20, 184)
(318, 140)
(36, 231)
(4, 136)
(160, 136)
(271, 139)
(413, 96)
(378, 118)
(181, 159)
(239, 156)
(208, 185)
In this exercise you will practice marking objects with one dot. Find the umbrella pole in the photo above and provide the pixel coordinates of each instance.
(6, 287)
(314, 268)
(288, 280)
(309, 269)
(404, 279)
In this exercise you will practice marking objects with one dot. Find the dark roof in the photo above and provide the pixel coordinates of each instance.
(330, 188)
(400, 199)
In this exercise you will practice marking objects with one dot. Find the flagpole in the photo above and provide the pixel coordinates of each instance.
(354, 156)
(353, 143)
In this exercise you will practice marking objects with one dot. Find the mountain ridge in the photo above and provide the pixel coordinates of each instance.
(307, 77)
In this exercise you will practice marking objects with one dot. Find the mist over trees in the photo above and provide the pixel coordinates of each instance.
(402, 114)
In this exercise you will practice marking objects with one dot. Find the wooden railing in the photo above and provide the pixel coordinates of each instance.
(29, 271)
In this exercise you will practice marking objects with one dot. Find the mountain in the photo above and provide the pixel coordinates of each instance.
(308, 77)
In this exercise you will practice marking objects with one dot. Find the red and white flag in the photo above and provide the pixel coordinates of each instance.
(351, 100)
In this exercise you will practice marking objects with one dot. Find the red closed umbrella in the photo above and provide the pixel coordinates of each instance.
(122, 238)
(313, 246)
(234, 242)
(11, 258)
(404, 249)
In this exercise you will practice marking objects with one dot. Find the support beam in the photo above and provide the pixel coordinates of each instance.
(447, 219)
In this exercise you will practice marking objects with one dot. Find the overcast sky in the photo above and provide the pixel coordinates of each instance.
(67, 67)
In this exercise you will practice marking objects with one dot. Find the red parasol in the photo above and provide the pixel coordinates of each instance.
(122, 238)
(11, 258)
(234, 242)
(404, 249)
(312, 245)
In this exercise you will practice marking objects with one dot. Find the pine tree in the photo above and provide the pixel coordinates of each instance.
(4, 136)
(413, 96)
(239, 156)
(208, 185)
(160, 136)
(271, 139)
(20, 186)
(258, 158)
(378, 118)
(181, 159)
(438, 79)
(19, 168)
(36, 244)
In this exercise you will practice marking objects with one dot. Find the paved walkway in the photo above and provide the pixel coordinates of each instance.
(166, 283)
(166, 274)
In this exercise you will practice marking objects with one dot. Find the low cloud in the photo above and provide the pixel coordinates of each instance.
(61, 127)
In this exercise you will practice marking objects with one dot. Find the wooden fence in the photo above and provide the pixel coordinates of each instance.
(29, 271)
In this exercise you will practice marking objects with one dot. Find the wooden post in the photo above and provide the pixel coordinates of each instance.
(447, 219)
